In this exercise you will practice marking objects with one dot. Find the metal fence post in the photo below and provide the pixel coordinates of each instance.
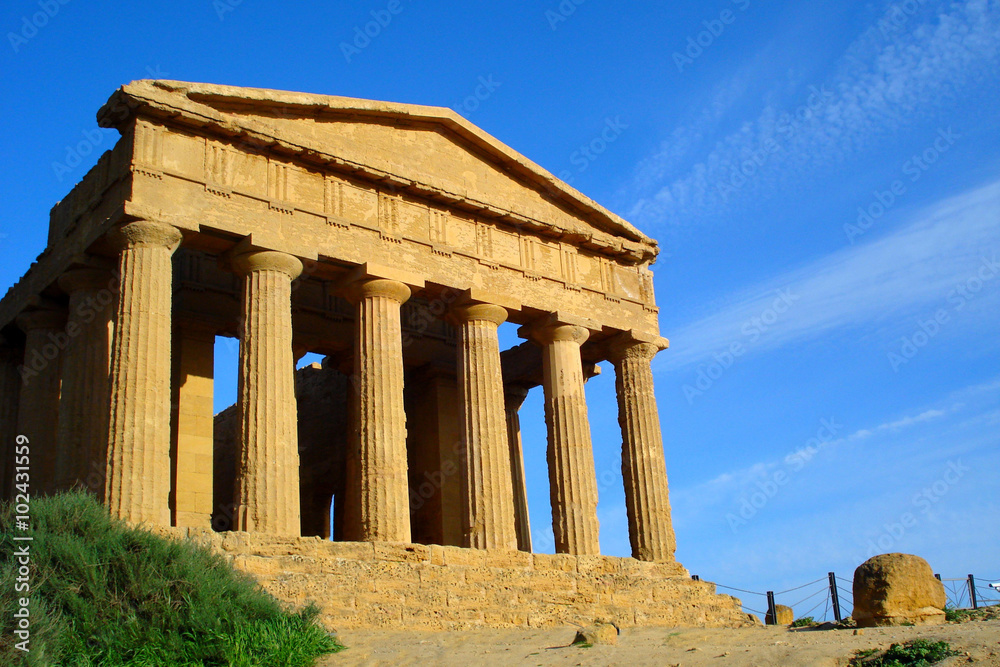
(972, 592)
(771, 609)
(835, 597)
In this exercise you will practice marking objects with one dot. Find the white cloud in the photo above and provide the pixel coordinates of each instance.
(723, 488)
(910, 421)
(884, 82)
(881, 285)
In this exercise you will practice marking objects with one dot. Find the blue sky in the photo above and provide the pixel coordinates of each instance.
(823, 177)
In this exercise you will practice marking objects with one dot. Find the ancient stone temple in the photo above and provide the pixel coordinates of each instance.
(393, 240)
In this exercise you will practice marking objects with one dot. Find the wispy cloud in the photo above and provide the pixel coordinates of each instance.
(900, 423)
(881, 284)
(724, 487)
(885, 81)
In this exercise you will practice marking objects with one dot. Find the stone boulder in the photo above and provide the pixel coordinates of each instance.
(897, 589)
(600, 634)
(785, 615)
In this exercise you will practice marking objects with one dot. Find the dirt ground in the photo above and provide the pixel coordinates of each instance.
(979, 642)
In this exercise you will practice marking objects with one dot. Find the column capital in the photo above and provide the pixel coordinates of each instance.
(77, 280)
(560, 332)
(483, 312)
(378, 287)
(267, 260)
(41, 319)
(630, 345)
(558, 327)
(145, 233)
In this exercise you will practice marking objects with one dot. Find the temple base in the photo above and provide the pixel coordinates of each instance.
(418, 587)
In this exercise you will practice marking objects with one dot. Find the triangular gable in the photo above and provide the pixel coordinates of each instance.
(430, 150)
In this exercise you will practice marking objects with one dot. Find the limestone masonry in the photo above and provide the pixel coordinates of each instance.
(393, 240)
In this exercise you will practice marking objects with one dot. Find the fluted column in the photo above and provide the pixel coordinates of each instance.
(83, 424)
(644, 470)
(10, 391)
(514, 396)
(572, 478)
(138, 468)
(380, 484)
(38, 407)
(487, 494)
(267, 469)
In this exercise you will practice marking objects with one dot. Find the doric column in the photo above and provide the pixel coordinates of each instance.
(193, 424)
(38, 407)
(514, 396)
(380, 485)
(643, 467)
(267, 468)
(572, 478)
(10, 391)
(487, 500)
(138, 468)
(83, 409)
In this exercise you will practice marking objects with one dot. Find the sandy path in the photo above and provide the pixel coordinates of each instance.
(756, 647)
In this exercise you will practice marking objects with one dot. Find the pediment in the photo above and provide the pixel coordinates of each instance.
(429, 151)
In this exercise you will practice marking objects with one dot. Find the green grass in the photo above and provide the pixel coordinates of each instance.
(956, 615)
(803, 622)
(109, 595)
(916, 653)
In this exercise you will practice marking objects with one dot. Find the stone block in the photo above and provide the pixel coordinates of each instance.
(509, 559)
(410, 553)
(785, 615)
(363, 551)
(443, 576)
(896, 588)
(436, 554)
(464, 557)
(596, 565)
(561, 562)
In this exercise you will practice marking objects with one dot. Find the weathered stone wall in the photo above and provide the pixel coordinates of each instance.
(409, 586)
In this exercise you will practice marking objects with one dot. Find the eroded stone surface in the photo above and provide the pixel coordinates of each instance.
(392, 240)
(785, 615)
(363, 585)
(895, 589)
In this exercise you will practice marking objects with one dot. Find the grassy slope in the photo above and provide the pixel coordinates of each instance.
(107, 594)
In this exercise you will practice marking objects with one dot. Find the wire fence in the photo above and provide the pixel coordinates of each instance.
(831, 598)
